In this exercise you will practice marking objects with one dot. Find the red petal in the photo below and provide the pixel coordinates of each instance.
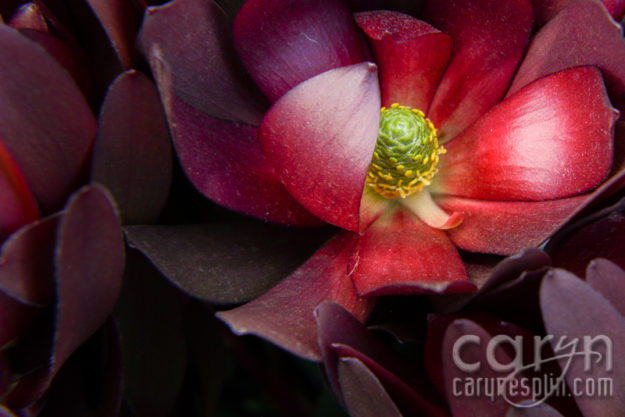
(490, 37)
(285, 42)
(411, 54)
(284, 315)
(399, 254)
(17, 204)
(551, 140)
(321, 136)
(507, 227)
(45, 122)
(224, 161)
(132, 153)
(545, 10)
(192, 37)
(582, 34)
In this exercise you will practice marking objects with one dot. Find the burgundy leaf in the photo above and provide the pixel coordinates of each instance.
(193, 38)
(132, 153)
(284, 42)
(320, 136)
(608, 280)
(225, 263)
(48, 130)
(284, 315)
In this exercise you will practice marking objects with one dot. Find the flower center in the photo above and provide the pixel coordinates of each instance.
(406, 153)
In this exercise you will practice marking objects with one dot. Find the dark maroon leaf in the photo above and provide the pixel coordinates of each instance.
(132, 153)
(225, 263)
(49, 129)
(152, 339)
(89, 259)
(609, 280)
(193, 38)
(573, 309)
(363, 393)
(26, 264)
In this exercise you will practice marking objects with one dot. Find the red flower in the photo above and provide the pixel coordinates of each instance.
(528, 134)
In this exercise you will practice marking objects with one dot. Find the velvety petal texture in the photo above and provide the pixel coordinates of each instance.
(401, 254)
(284, 315)
(481, 68)
(411, 56)
(285, 42)
(132, 154)
(49, 129)
(320, 136)
(193, 38)
(535, 144)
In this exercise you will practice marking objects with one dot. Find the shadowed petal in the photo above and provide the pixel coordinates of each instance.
(284, 315)
(551, 140)
(15, 317)
(132, 153)
(582, 34)
(507, 227)
(49, 129)
(285, 42)
(411, 55)
(399, 254)
(193, 37)
(320, 137)
(572, 309)
(224, 162)
(481, 66)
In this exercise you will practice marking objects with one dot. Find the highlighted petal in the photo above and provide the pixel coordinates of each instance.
(399, 254)
(561, 44)
(507, 227)
(285, 42)
(551, 140)
(411, 54)
(284, 315)
(423, 206)
(320, 137)
(490, 37)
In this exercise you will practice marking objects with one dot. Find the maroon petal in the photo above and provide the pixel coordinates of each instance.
(551, 140)
(29, 16)
(17, 204)
(545, 10)
(193, 38)
(285, 42)
(225, 263)
(132, 153)
(411, 55)
(48, 129)
(399, 254)
(26, 265)
(89, 259)
(321, 136)
(572, 309)
(507, 227)
(224, 161)
(284, 315)
(582, 34)
(363, 393)
(608, 279)
(490, 37)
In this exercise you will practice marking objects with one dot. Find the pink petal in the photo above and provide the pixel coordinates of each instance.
(507, 227)
(572, 309)
(411, 54)
(17, 204)
(224, 162)
(192, 36)
(399, 254)
(320, 137)
(490, 37)
(553, 139)
(582, 34)
(545, 10)
(284, 315)
(285, 42)
(48, 129)
(132, 153)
